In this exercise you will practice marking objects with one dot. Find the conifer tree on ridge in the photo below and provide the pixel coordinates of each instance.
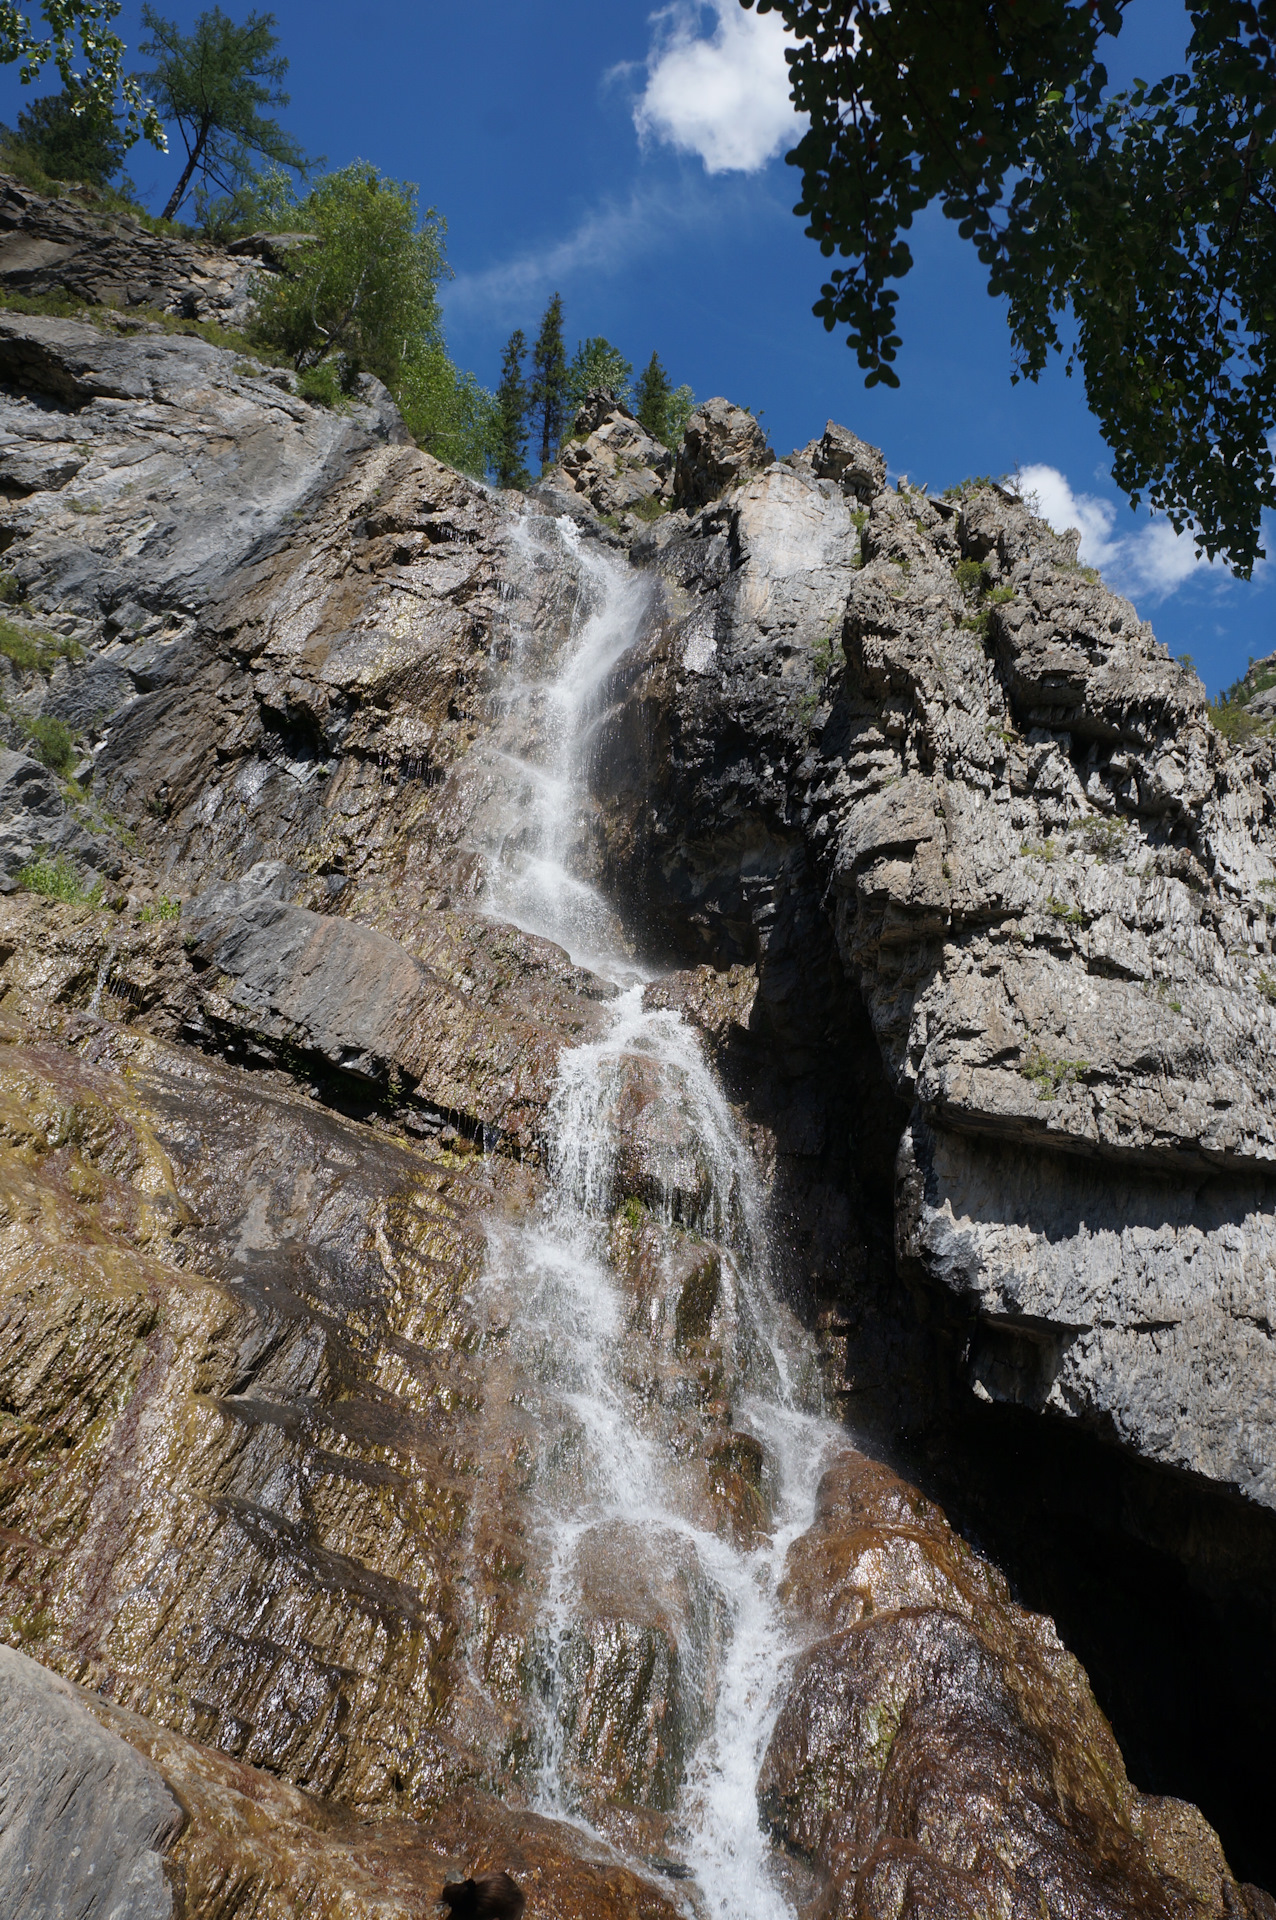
(512, 401)
(654, 394)
(549, 379)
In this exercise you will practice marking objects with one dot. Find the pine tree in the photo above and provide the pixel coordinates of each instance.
(512, 402)
(549, 379)
(654, 395)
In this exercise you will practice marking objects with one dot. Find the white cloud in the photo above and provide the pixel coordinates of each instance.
(1150, 561)
(726, 97)
(606, 238)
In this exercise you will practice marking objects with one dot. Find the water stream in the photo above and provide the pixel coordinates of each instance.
(620, 1493)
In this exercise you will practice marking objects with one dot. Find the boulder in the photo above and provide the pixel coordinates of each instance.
(858, 468)
(84, 1820)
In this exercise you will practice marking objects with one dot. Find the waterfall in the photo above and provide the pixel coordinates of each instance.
(681, 1682)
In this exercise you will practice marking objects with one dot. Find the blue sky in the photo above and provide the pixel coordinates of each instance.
(629, 156)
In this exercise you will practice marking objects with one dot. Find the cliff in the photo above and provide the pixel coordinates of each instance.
(939, 856)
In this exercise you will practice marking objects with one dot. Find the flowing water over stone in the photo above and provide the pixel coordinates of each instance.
(661, 1642)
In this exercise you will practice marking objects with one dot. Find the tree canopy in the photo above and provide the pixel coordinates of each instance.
(660, 407)
(100, 81)
(512, 401)
(361, 297)
(212, 83)
(71, 138)
(596, 363)
(1147, 215)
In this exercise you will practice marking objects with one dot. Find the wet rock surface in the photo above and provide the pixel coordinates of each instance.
(412, 1355)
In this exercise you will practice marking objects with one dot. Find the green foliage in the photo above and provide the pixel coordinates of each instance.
(967, 489)
(549, 379)
(1147, 217)
(650, 507)
(596, 363)
(513, 398)
(1106, 839)
(653, 396)
(662, 409)
(213, 83)
(447, 412)
(50, 741)
(362, 297)
(322, 385)
(54, 876)
(365, 289)
(31, 650)
(1235, 722)
(682, 404)
(1061, 910)
(95, 70)
(1266, 984)
(1228, 714)
(1039, 850)
(972, 576)
(71, 137)
(161, 909)
(1050, 1075)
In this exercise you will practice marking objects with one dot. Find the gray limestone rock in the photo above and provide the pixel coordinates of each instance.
(35, 820)
(84, 1819)
(1049, 883)
(614, 463)
(721, 447)
(146, 468)
(345, 993)
(110, 260)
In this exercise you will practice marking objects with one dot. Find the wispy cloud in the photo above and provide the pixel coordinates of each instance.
(607, 239)
(724, 96)
(1151, 561)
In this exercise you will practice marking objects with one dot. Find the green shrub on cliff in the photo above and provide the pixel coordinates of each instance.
(362, 298)
(365, 289)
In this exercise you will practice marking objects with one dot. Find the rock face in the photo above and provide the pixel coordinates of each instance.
(1047, 881)
(59, 246)
(928, 1684)
(722, 446)
(969, 905)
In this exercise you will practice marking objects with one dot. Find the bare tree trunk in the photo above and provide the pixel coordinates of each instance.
(178, 194)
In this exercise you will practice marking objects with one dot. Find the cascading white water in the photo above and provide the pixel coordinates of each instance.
(606, 1482)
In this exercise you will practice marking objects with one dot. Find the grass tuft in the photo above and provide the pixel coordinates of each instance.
(55, 877)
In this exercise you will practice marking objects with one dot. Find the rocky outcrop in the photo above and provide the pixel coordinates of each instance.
(1046, 879)
(721, 447)
(80, 251)
(613, 463)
